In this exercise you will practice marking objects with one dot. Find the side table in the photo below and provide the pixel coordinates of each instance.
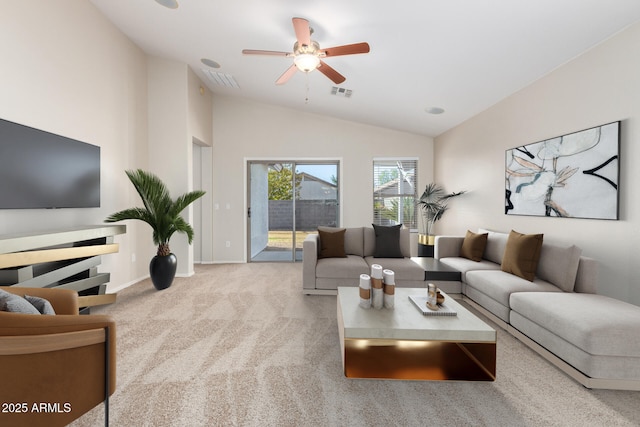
(444, 277)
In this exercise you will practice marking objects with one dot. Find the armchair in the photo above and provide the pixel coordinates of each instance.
(54, 368)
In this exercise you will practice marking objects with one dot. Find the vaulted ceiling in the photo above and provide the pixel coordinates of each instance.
(459, 55)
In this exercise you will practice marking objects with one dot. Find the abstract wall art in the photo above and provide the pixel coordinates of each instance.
(570, 176)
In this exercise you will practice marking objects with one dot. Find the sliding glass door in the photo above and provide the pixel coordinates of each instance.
(287, 201)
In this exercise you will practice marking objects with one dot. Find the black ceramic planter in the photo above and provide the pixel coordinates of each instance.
(162, 270)
(425, 250)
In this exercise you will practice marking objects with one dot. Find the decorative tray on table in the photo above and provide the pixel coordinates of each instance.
(420, 301)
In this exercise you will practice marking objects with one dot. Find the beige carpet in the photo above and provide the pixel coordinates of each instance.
(240, 345)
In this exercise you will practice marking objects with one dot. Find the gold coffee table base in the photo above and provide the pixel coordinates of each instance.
(419, 360)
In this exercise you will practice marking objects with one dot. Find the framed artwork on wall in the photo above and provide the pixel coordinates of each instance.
(570, 176)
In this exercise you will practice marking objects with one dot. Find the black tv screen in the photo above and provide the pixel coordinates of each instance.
(39, 169)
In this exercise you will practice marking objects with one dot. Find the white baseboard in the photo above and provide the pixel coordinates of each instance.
(118, 288)
(189, 274)
(226, 262)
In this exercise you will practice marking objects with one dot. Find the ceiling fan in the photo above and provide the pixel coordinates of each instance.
(307, 54)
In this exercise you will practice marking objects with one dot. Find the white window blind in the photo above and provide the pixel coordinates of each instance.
(395, 192)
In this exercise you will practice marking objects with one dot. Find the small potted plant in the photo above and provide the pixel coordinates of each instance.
(163, 215)
(432, 204)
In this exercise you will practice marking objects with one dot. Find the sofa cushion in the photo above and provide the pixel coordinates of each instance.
(15, 303)
(521, 255)
(486, 302)
(331, 243)
(354, 241)
(473, 246)
(405, 242)
(338, 268)
(463, 265)
(499, 285)
(559, 265)
(404, 269)
(587, 276)
(592, 365)
(387, 241)
(496, 242)
(596, 324)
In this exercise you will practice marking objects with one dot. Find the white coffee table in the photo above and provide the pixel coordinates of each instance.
(402, 343)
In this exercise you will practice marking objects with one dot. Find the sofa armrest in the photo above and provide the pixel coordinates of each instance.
(18, 324)
(447, 246)
(309, 260)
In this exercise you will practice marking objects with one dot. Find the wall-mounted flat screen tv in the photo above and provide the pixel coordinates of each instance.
(39, 169)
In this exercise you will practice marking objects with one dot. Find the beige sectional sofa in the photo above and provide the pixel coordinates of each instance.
(592, 338)
(324, 275)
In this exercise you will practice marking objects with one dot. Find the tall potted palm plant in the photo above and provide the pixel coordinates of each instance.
(163, 215)
(432, 204)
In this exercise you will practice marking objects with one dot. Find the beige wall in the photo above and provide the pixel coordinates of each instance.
(201, 131)
(596, 88)
(170, 148)
(179, 115)
(244, 130)
(200, 109)
(67, 70)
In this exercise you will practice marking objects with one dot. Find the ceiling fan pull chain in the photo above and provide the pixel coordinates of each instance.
(306, 98)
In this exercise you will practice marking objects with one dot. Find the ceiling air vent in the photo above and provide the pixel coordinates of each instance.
(340, 91)
(220, 79)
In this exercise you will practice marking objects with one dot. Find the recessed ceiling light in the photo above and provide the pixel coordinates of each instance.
(434, 110)
(210, 63)
(171, 4)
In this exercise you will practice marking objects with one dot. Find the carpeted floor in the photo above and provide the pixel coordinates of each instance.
(240, 345)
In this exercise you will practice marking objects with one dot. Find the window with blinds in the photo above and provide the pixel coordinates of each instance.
(395, 192)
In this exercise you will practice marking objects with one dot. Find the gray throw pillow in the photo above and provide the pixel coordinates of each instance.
(387, 241)
(41, 304)
(15, 303)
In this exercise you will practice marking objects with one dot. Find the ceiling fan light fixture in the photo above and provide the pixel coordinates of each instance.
(306, 62)
(307, 55)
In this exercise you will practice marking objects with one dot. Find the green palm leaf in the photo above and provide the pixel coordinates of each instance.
(160, 211)
(433, 204)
